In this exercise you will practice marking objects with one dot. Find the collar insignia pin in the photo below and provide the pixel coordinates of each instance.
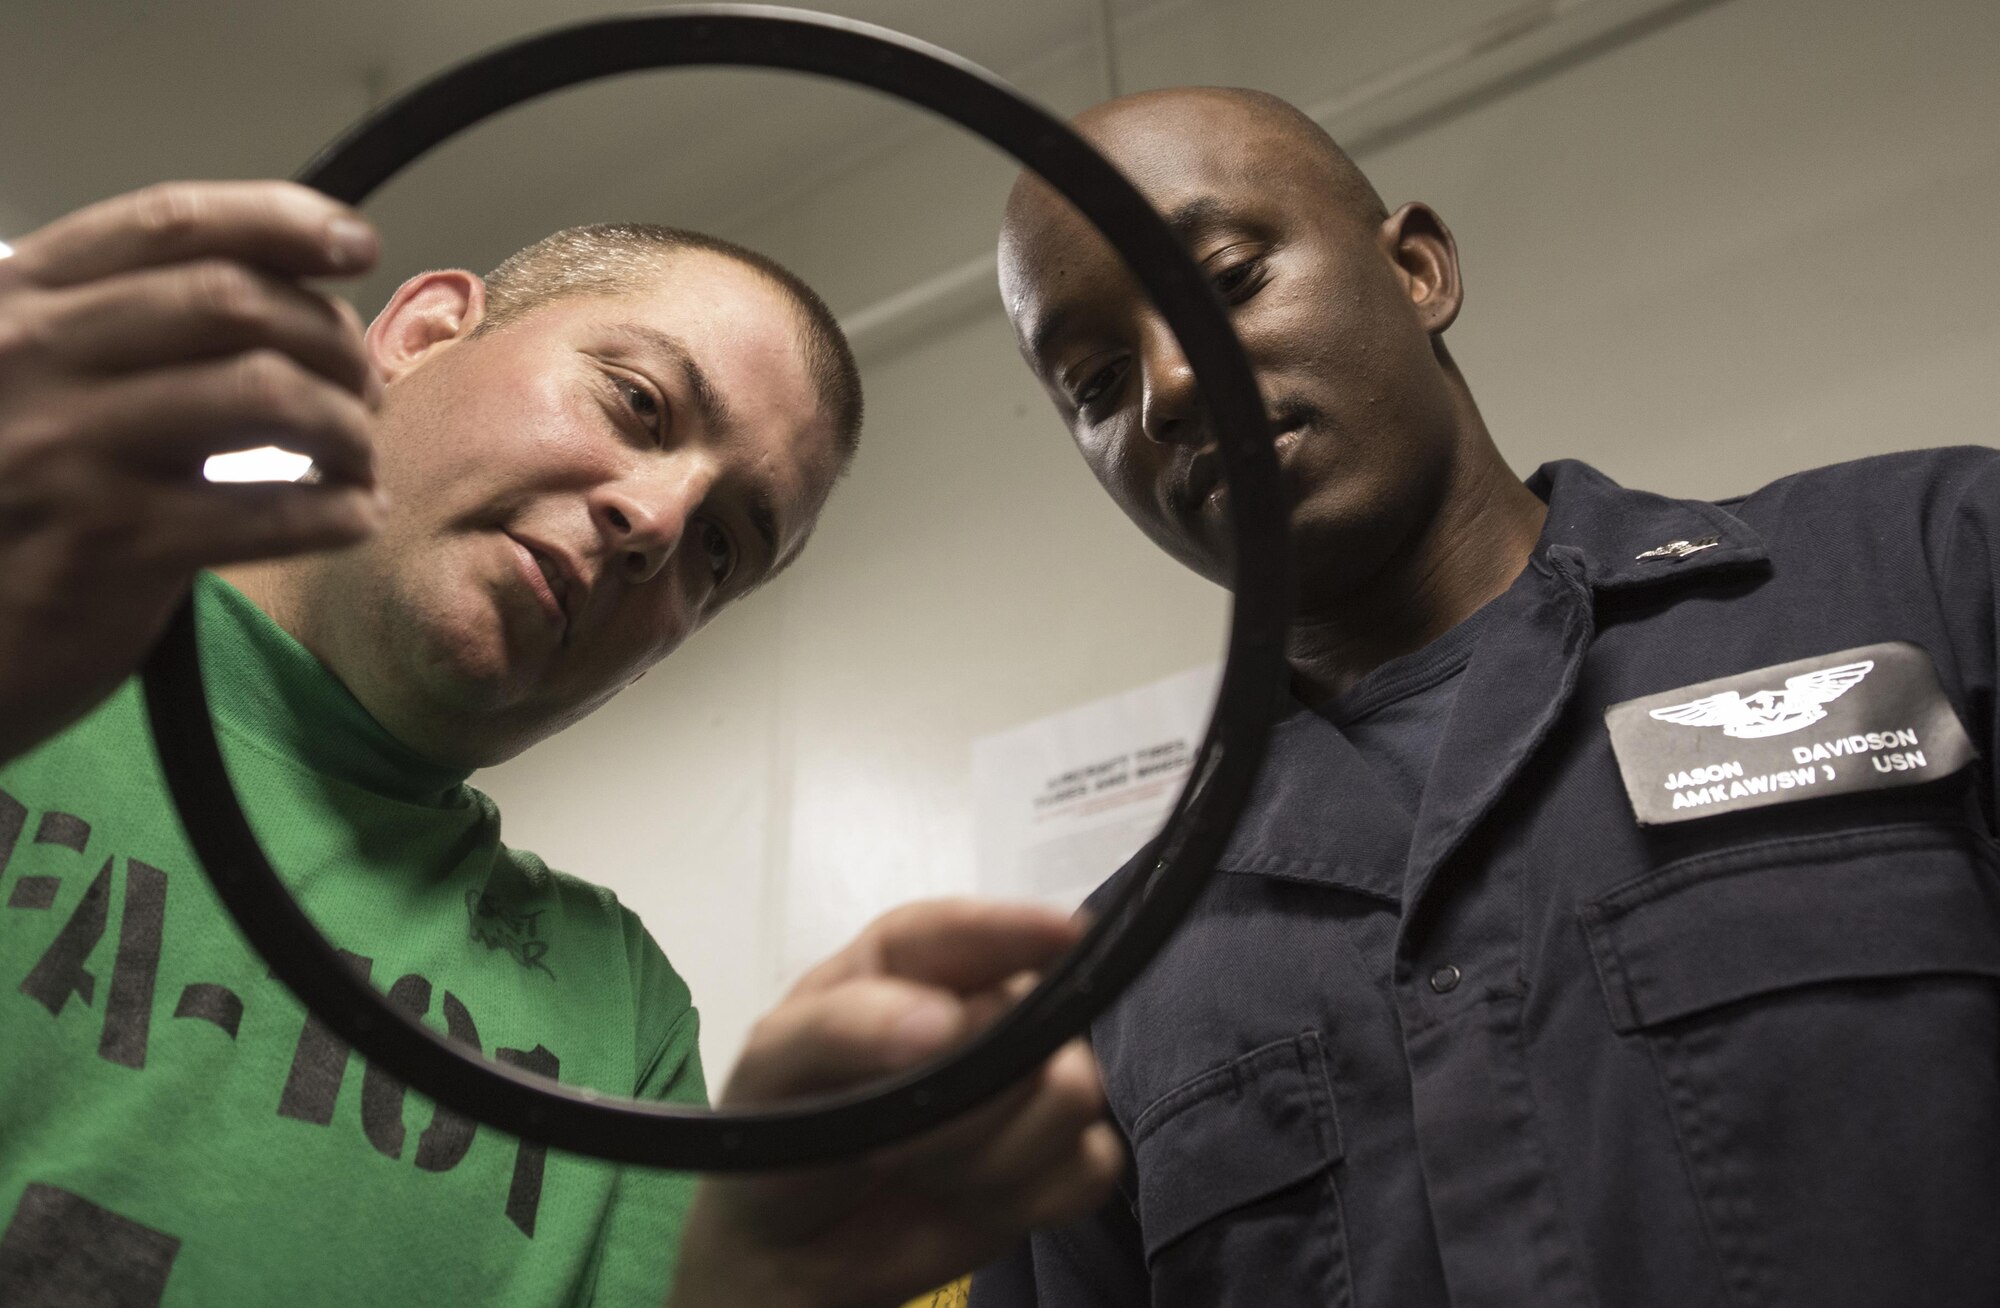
(1679, 549)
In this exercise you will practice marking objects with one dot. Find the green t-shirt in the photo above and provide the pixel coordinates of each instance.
(174, 1130)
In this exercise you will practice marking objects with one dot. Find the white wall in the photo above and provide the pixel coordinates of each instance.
(1754, 240)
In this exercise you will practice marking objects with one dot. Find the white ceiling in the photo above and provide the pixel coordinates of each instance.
(99, 96)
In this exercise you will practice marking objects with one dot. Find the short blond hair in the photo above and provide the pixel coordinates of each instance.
(617, 258)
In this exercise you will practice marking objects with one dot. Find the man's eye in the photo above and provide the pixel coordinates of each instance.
(718, 551)
(1096, 386)
(1237, 281)
(641, 400)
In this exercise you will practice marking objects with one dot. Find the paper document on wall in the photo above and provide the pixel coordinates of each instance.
(1060, 803)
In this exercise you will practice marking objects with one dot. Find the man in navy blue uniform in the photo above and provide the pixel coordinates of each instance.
(1616, 920)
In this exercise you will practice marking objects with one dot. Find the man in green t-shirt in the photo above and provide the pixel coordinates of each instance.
(529, 488)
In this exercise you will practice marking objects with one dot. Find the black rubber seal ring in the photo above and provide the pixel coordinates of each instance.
(1136, 921)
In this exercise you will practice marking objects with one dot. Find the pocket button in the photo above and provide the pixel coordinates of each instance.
(1446, 979)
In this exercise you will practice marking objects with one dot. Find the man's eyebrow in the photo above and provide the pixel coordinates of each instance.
(708, 402)
(1046, 332)
(1197, 217)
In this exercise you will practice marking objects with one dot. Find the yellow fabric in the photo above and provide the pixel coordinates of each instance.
(956, 1295)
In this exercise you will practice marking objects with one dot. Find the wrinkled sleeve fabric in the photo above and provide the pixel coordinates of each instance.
(641, 1244)
(1095, 1263)
(1963, 543)
(1098, 1262)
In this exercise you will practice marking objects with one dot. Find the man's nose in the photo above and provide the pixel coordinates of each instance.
(1171, 411)
(641, 521)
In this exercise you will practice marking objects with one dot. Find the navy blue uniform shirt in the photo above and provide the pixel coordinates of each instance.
(1527, 1052)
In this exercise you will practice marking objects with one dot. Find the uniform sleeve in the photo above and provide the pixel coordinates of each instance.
(1965, 553)
(1099, 1262)
(1095, 1263)
(641, 1243)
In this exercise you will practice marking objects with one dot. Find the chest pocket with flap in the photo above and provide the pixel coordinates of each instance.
(1823, 1014)
(1237, 1198)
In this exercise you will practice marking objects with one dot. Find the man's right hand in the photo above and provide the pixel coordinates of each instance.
(137, 338)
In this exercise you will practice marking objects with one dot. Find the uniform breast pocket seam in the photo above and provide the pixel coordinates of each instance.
(1901, 900)
(1227, 1137)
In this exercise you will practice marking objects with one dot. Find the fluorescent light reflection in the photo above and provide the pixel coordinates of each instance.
(5, 249)
(266, 464)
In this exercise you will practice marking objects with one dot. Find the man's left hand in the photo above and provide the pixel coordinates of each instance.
(908, 1218)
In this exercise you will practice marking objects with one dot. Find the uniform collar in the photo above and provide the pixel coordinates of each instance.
(1319, 812)
(1312, 783)
(1623, 539)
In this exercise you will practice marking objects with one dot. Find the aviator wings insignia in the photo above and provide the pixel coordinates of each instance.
(1769, 712)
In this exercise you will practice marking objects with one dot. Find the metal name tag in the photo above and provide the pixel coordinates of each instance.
(1861, 719)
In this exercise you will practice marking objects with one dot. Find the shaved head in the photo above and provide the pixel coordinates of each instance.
(1269, 133)
(1256, 120)
(1340, 307)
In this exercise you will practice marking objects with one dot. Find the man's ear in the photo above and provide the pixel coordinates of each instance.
(428, 311)
(1420, 245)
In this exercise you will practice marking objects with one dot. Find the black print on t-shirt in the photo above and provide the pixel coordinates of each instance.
(65, 829)
(449, 1135)
(34, 892)
(13, 816)
(211, 1003)
(128, 1014)
(60, 972)
(497, 927)
(319, 1062)
(319, 1058)
(382, 1094)
(62, 1251)
(524, 1192)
